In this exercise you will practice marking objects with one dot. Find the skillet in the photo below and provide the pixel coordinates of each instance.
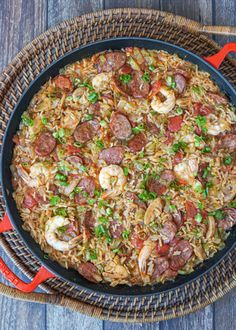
(12, 218)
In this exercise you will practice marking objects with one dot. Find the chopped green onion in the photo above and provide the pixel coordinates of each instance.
(126, 171)
(116, 250)
(54, 200)
(44, 120)
(125, 78)
(172, 207)
(151, 67)
(201, 122)
(179, 145)
(198, 217)
(228, 160)
(91, 201)
(103, 123)
(27, 120)
(179, 111)
(46, 256)
(170, 82)
(198, 140)
(206, 149)
(61, 177)
(87, 117)
(85, 84)
(59, 134)
(69, 98)
(99, 144)
(77, 190)
(61, 211)
(232, 204)
(197, 90)
(82, 168)
(138, 129)
(146, 76)
(206, 172)
(64, 183)
(108, 211)
(97, 193)
(61, 229)
(91, 255)
(200, 205)
(125, 234)
(93, 97)
(147, 195)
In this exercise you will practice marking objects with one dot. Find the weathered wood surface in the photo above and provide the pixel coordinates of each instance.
(20, 22)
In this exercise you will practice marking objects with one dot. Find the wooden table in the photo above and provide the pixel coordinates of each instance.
(20, 22)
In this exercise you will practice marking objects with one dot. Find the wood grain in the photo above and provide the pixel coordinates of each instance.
(154, 4)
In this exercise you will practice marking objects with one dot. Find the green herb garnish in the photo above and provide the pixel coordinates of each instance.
(93, 97)
(61, 177)
(151, 68)
(198, 217)
(44, 120)
(54, 200)
(99, 144)
(61, 211)
(27, 120)
(147, 195)
(126, 171)
(201, 122)
(125, 78)
(179, 110)
(125, 234)
(179, 146)
(170, 82)
(206, 149)
(138, 129)
(228, 160)
(146, 76)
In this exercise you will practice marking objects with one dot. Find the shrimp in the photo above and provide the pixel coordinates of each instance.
(144, 254)
(165, 106)
(215, 125)
(211, 228)
(229, 190)
(199, 252)
(51, 228)
(38, 172)
(112, 178)
(115, 271)
(101, 81)
(70, 119)
(187, 170)
(153, 211)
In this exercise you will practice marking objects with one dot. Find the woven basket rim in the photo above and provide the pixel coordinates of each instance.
(65, 301)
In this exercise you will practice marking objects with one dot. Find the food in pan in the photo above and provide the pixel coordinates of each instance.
(124, 167)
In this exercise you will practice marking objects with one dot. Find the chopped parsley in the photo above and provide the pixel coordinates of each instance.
(125, 78)
(146, 76)
(27, 121)
(93, 97)
(138, 129)
(54, 200)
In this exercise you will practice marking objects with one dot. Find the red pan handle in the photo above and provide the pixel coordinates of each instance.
(219, 57)
(42, 275)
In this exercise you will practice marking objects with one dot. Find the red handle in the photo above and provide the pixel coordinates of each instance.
(219, 57)
(42, 275)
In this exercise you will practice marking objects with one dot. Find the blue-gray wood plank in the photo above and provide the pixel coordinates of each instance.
(20, 22)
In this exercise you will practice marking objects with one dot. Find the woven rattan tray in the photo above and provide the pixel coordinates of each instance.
(16, 78)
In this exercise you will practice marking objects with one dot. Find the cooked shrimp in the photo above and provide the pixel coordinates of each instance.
(187, 170)
(153, 211)
(216, 125)
(37, 175)
(166, 106)
(229, 190)
(52, 239)
(70, 119)
(112, 178)
(211, 227)
(115, 271)
(144, 255)
(101, 81)
(199, 252)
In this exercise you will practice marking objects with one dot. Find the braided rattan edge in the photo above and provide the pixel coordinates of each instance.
(59, 299)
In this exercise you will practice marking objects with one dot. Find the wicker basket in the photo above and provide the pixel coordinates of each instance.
(14, 81)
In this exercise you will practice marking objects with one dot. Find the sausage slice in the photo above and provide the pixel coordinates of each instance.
(90, 272)
(45, 144)
(120, 126)
(86, 131)
(137, 143)
(112, 155)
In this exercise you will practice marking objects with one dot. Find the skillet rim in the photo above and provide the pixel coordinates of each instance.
(16, 220)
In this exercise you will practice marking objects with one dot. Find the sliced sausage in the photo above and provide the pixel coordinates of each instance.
(120, 126)
(191, 210)
(45, 144)
(180, 253)
(75, 160)
(178, 157)
(175, 123)
(170, 273)
(116, 229)
(155, 186)
(180, 82)
(233, 128)
(132, 196)
(161, 264)
(88, 186)
(201, 109)
(153, 128)
(136, 241)
(136, 87)
(219, 99)
(86, 131)
(168, 176)
(163, 250)
(90, 272)
(114, 61)
(228, 142)
(112, 155)
(64, 83)
(184, 73)
(137, 143)
(29, 201)
(89, 221)
(178, 218)
(229, 218)
(168, 231)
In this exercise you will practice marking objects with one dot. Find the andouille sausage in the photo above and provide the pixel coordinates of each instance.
(90, 272)
(88, 186)
(64, 83)
(114, 61)
(86, 131)
(180, 82)
(180, 253)
(161, 264)
(120, 126)
(229, 219)
(112, 155)
(45, 144)
(137, 143)
(168, 231)
(228, 142)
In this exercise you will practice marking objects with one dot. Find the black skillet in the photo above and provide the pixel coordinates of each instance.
(52, 268)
